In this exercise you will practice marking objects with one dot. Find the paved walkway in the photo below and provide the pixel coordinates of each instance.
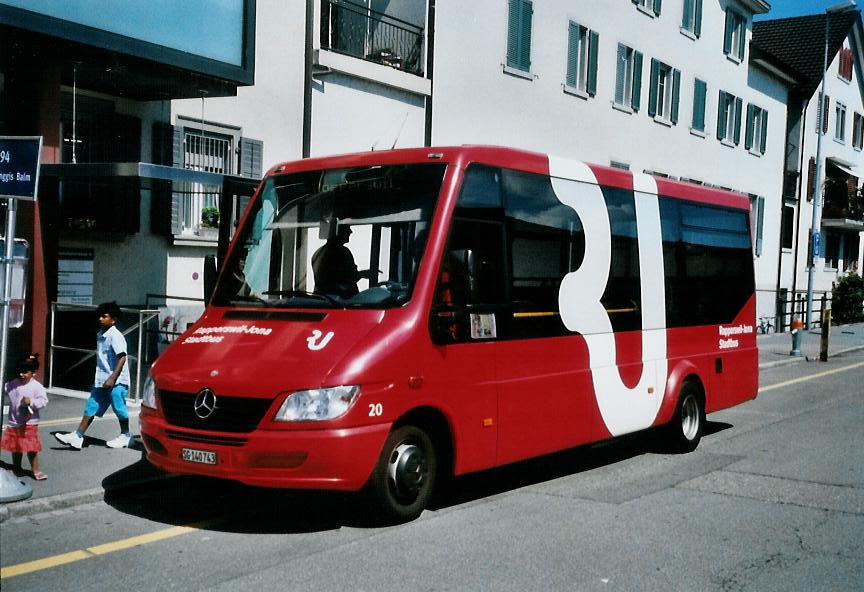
(98, 472)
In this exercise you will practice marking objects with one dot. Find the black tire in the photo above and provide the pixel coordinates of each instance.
(401, 484)
(685, 430)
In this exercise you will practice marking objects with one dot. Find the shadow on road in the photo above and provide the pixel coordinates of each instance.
(233, 507)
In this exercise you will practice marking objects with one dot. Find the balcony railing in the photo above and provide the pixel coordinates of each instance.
(356, 30)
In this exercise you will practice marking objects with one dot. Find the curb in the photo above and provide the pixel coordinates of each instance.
(64, 501)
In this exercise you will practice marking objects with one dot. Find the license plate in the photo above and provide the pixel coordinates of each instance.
(203, 457)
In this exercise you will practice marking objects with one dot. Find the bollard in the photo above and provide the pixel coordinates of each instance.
(826, 331)
(797, 328)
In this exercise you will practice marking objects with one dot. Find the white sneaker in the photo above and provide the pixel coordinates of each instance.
(71, 439)
(121, 441)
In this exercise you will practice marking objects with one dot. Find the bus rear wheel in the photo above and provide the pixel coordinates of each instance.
(685, 430)
(404, 477)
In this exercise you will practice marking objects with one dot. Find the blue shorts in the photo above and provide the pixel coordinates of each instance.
(101, 398)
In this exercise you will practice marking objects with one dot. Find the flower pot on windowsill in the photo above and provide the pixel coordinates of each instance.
(208, 233)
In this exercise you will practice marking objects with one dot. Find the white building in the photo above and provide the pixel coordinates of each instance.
(798, 45)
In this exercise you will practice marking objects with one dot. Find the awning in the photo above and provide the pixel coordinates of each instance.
(843, 166)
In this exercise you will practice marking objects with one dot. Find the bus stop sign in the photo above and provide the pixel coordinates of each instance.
(19, 166)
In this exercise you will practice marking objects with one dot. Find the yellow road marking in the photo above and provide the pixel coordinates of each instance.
(63, 558)
(810, 377)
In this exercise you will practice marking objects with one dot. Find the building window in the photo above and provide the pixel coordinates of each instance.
(582, 46)
(757, 219)
(664, 91)
(840, 122)
(691, 20)
(628, 78)
(735, 36)
(787, 227)
(700, 93)
(649, 6)
(519, 35)
(757, 129)
(858, 131)
(846, 62)
(729, 119)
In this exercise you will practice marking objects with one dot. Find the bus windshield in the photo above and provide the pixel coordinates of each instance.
(334, 238)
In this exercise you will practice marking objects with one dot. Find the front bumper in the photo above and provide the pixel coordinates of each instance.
(337, 459)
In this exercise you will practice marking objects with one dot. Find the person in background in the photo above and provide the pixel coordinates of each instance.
(27, 397)
(111, 384)
(333, 266)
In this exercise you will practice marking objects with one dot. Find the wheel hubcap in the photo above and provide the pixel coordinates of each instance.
(407, 469)
(690, 417)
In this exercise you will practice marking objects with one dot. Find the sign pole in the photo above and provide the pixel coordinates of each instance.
(19, 175)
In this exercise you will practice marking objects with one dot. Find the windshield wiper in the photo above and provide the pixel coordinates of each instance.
(302, 294)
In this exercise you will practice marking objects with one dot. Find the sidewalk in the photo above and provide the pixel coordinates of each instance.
(97, 472)
(774, 348)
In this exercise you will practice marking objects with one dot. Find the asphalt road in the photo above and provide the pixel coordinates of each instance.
(773, 499)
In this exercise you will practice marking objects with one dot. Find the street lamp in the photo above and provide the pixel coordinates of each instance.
(816, 222)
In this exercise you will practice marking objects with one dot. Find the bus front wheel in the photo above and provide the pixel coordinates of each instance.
(404, 476)
(687, 426)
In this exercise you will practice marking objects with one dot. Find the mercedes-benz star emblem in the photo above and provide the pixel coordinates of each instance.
(205, 403)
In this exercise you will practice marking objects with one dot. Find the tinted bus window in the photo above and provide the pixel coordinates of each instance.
(708, 262)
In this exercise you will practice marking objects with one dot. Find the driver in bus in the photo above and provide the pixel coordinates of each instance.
(334, 268)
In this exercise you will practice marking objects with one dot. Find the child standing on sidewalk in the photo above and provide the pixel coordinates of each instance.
(111, 384)
(26, 398)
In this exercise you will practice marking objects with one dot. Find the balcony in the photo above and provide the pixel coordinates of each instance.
(354, 29)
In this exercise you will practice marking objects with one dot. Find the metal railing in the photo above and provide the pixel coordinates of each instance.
(359, 31)
(788, 308)
(87, 354)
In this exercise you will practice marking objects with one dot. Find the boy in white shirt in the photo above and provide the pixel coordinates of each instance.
(111, 384)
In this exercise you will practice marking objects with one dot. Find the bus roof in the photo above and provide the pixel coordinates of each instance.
(513, 158)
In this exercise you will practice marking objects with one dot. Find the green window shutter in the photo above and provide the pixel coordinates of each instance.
(697, 21)
(657, 7)
(676, 95)
(519, 35)
(742, 39)
(737, 132)
(727, 36)
(637, 81)
(685, 15)
(572, 53)
(619, 74)
(764, 139)
(699, 90)
(751, 121)
(251, 158)
(593, 44)
(721, 116)
(652, 87)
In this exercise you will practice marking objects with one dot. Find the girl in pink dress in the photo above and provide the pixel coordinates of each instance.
(21, 433)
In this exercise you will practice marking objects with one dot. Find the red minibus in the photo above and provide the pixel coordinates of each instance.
(388, 318)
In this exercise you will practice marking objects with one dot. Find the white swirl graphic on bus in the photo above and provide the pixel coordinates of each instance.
(623, 409)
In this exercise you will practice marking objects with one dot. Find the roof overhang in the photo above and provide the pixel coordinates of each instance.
(755, 6)
(140, 170)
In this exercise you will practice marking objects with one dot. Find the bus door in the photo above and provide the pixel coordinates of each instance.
(545, 396)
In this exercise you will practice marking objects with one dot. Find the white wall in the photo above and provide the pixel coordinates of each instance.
(272, 109)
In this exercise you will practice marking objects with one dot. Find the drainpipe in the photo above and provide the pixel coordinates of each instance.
(307, 79)
(430, 60)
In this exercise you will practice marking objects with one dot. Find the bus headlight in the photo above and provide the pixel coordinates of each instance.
(317, 404)
(148, 396)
